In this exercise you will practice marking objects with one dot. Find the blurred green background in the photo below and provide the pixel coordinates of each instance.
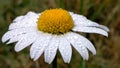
(106, 12)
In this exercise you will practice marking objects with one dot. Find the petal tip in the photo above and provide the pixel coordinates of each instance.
(94, 53)
(85, 58)
(17, 49)
(35, 59)
(106, 35)
(67, 62)
(31, 56)
(3, 39)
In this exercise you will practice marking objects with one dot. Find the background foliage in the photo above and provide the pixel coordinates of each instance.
(106, 12)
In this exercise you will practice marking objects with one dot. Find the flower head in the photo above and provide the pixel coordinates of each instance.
(55, 23)
(52, 30)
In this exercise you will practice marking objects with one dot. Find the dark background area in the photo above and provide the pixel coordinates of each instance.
(105, 12)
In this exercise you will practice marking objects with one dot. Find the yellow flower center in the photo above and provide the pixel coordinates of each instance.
(55, 21)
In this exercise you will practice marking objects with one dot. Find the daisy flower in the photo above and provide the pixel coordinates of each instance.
(52, 30)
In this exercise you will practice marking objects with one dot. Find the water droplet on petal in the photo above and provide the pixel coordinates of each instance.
(75, 37)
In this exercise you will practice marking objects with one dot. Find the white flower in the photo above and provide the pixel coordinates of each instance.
(44, 35)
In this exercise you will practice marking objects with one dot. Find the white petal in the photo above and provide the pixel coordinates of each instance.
(82, 50)
(80, 20)
(91, 30)
(17, 19)
(104, 28)
(10, 34)
(7, 36)
(65, 50)
(21, 25)
(26, 23)
(81, 44)
(82, 40)
(39, 46)
(29, 20)
(15, 38)
(25, 41)
(86, 43)
(51, 50)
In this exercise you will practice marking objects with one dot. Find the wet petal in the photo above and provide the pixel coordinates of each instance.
(25, 41)
(81, 44)
(39, 46)
(29, 20)
(10, 34)
(51, 50)
(90, 30)
(80, 20)
(17, 19)
(65, 50)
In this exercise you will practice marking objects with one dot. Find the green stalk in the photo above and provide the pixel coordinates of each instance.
(62, 4)
(99, 10)
(82, 6)
(83, 64)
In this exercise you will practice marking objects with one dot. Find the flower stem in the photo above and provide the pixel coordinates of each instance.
(54, 64)
(83, 64)
(82, 6)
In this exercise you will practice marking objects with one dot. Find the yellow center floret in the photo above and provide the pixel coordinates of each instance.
(55, 21)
